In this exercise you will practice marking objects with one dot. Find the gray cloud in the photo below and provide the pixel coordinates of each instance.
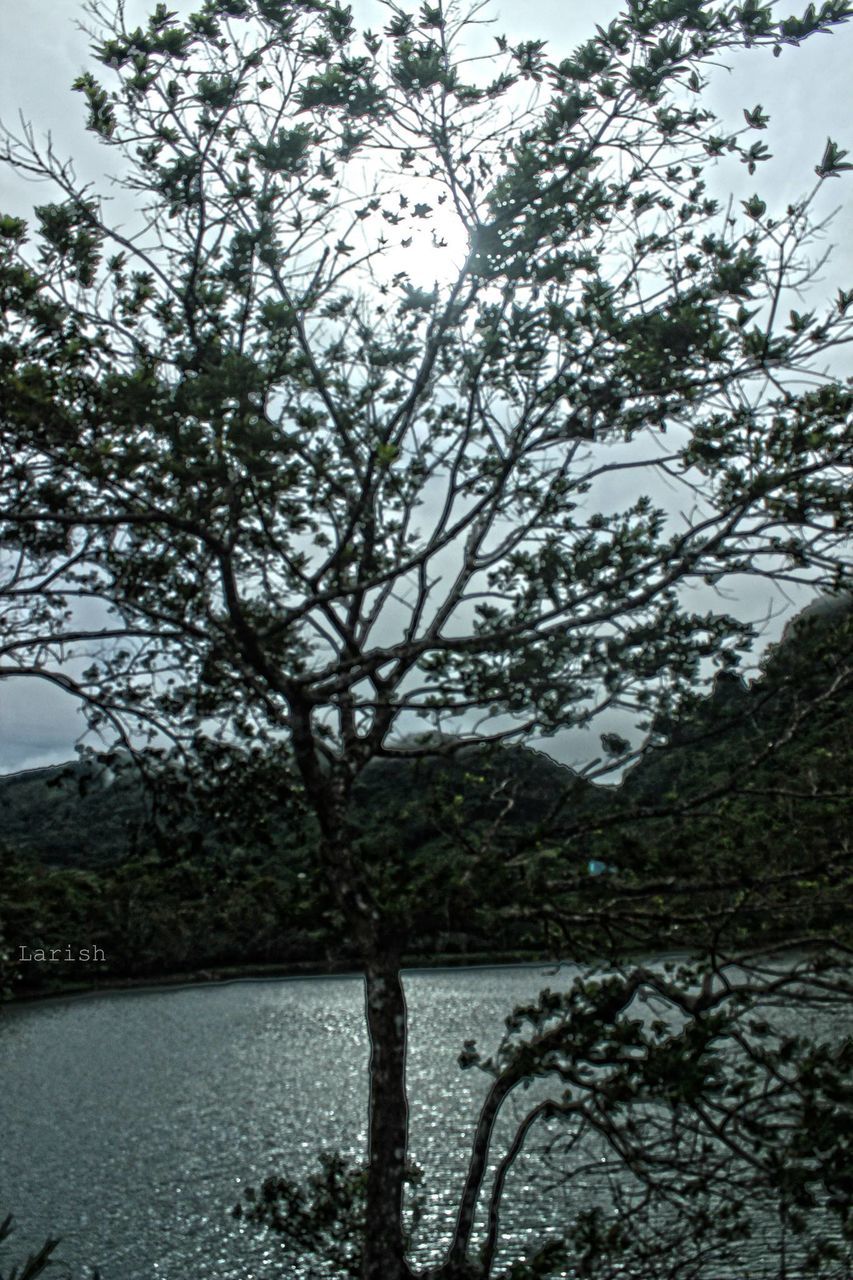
(39, 724)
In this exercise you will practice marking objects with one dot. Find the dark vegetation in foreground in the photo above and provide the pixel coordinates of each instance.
(36, 1263)
(746, 787)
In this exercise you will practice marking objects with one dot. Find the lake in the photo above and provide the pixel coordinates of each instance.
(130, 1122)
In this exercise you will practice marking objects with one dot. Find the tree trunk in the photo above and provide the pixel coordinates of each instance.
(385, 1010)
(384, 1257)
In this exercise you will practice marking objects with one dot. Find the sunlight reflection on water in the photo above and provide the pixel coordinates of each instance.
(131, 1122)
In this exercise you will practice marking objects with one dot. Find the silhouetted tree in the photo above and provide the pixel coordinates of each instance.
(264, 477)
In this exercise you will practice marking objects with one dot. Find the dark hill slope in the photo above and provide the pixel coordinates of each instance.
(786, 734)
(74, 814)
(80, 815)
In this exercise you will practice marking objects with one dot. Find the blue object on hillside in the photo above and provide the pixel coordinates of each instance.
(597, 868)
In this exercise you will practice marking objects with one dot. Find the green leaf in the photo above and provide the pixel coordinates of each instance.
(756, 119)
(832, 162)
(754, 207)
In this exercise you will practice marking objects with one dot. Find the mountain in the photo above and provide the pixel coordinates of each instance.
(741, 816)
(84, 815)
(80, 814)
(74, 814)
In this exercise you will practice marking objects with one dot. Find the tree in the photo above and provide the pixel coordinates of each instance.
(37, 1263)
(264, 483)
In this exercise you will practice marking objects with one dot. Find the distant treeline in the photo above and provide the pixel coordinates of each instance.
(486, 853)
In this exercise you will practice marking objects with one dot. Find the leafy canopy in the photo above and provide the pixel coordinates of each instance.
(265, 478)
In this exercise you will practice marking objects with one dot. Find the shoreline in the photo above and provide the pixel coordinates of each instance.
(225, 974)
(221, 975)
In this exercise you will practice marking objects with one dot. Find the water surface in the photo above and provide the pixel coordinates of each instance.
(130, 1122)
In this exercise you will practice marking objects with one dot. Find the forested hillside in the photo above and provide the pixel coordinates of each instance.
(75, 814)
(489, 853)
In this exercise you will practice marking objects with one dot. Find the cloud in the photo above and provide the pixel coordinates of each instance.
(39, 724)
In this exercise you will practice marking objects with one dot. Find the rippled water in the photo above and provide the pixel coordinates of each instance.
(130, 1122)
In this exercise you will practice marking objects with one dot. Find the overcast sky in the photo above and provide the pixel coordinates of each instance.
(806, 92)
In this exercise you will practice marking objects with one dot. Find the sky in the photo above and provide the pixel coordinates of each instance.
(806, 93)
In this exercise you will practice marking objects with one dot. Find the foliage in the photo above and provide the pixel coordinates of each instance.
(73, 814)
(745, 801)
(225, 390)
(486, 853)
(330, 1226)
(36, 1263)
(676, 1091)
(271, 497)
(325, 1221)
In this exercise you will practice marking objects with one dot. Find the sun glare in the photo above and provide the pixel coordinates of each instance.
(425, 239)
